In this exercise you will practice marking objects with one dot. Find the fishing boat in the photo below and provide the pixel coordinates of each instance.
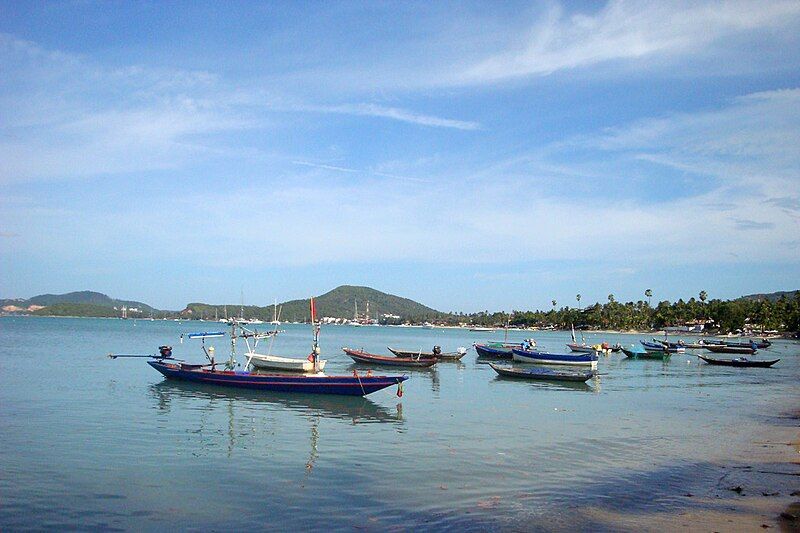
(660, 347)
(360, 356)
(724, 348)
(739, 361)
(545, 358)
(580, 348)
(763, 343)
(494, 351)
(541, 374)
(316, 383)
(436, 353)
(355, 385)
(638, 352)
(275, 362)
(481, 328)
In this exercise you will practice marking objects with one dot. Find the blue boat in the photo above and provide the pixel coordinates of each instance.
(355, 385)
(530, 356)
(493, 351)
(654, 346)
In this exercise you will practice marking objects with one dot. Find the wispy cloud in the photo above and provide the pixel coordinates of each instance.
(394, 113)
(625, 30)
(746, 224)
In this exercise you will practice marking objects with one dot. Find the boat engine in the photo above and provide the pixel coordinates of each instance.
(437, 350)
(165, 351)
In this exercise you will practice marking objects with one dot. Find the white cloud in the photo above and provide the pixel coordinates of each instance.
(625, 30)
(394, 113)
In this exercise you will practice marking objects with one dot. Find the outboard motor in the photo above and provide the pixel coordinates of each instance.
(437, 350)
(165, 351)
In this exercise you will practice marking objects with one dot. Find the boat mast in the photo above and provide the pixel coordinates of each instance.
(315, 329)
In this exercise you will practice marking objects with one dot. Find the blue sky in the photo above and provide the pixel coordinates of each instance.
(467, 155)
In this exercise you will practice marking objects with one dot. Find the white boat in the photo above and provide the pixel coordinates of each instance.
(480, 328)
(274, 362)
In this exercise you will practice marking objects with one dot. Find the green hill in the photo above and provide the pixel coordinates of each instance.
(338, 303)
(85, 297)
(772, 296)
(71, 309)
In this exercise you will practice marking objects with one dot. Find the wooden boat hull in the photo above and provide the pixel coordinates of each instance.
(744, 363)
(661, 347)
(372, 359)
(289, 364)
(544, 358)
(542, 374)
(721, 348)
(492, 352)
(580, 348)
(444, 356)
(308, 384)
(631, 354)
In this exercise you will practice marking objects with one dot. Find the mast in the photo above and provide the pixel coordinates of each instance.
(315, 329)
(355, 314)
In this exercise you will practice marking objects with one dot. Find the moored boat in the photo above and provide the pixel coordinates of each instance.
(541, 374)
(637, 352)
(360, 356)
(724, 348)
(545, 358)
(580, 348)
(660, 347)
(290, 364)
(437, 353)
(496, 352)
(739, 361)
(305, 383)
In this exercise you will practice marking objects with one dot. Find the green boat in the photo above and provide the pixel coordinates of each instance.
(635, 353)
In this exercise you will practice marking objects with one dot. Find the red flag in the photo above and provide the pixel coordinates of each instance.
(313, 311)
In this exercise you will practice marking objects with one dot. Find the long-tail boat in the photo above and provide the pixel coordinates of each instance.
(724, 348)
(541, 374)
(436, 353)
(529, 356)
(360, 356)
(739, 361)
(317, 383)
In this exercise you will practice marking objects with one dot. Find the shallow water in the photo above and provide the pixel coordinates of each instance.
(89, 442)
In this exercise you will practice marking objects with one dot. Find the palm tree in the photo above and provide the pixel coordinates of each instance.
(554, 305)
(703, 296)
(611, 298)
(578, 297)
(649, 294)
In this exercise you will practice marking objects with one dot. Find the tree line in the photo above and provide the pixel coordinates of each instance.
(724, 316)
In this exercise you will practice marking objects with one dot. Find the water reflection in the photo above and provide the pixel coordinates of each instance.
(354, 408)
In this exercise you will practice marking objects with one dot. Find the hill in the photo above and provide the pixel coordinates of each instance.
(771, 296)
(338, 303)
(92, 302)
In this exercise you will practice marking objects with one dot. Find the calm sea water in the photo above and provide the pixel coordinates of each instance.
(88, 442)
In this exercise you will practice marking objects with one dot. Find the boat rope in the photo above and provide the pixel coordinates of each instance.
(355, 373)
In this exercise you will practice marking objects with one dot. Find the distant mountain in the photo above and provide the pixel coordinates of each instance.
(338, 303)
(95, 304)
(772, 296)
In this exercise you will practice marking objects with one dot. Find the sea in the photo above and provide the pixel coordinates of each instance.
(91, 443)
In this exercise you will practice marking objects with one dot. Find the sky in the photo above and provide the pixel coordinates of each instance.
(468, 155)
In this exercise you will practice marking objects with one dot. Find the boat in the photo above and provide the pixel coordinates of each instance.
(763, 343)
(317, 383)
(580, 348)
(436, 353)
(495, 352)
(481, 328)
(360, 356)
(739, 361)
(541, 374)
(661, 347)
(274, 362)
(724, 348)
(638, 352)
(355, 385)
(545, 358)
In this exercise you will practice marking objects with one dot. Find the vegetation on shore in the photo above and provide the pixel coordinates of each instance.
(762, 312)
